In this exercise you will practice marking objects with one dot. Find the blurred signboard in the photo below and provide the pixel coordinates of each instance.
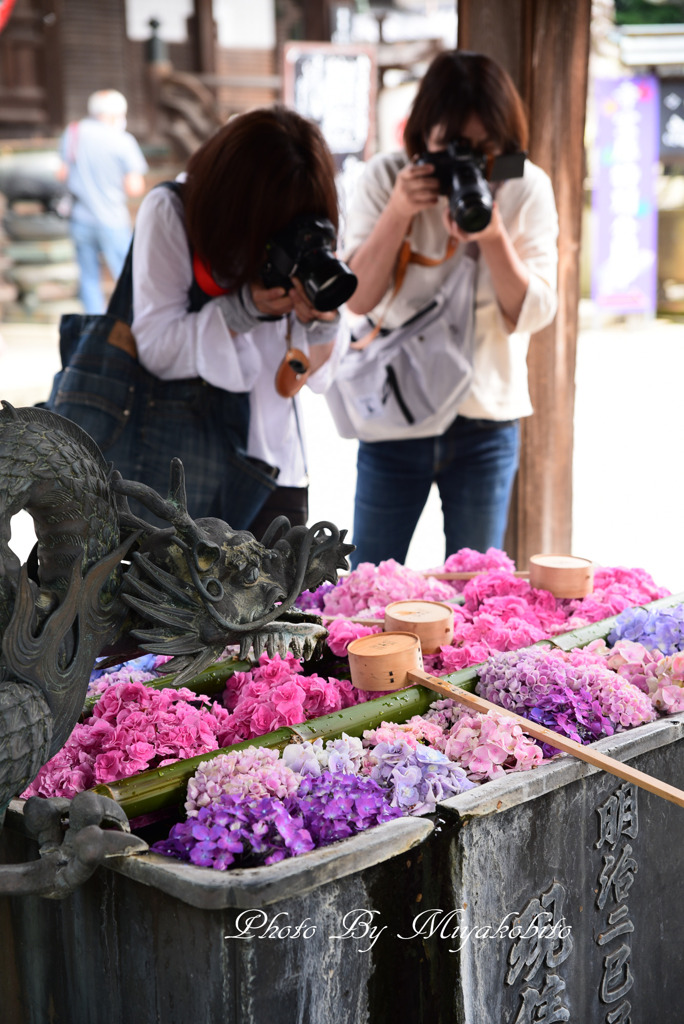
(625, 214)
(672, 120)
(335, 86)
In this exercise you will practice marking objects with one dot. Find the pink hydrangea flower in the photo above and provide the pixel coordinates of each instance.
(416, 730)
(469, 560)
(614, 590)
(490, 745)
(376, 586)
(255, 772)
(341, 632)
(665, 680)
(275, 694)
(132, 728)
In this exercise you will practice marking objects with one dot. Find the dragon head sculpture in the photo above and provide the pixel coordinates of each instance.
(198, 585)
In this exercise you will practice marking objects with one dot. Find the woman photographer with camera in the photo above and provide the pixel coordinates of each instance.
(410, 230)
(223, 355)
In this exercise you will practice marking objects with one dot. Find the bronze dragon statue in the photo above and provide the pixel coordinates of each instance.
(103, 582)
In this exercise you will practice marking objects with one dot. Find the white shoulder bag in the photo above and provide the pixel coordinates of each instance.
(409, 382)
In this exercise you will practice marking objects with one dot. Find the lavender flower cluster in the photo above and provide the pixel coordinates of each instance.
(417, 776)
(572, 694)
(659, 629)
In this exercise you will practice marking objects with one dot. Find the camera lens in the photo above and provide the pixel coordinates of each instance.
(470, 202)
(327, 281)
(471, 212)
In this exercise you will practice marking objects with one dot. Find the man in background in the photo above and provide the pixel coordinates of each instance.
(103, 166)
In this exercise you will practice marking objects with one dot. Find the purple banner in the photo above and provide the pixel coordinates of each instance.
(625, 212)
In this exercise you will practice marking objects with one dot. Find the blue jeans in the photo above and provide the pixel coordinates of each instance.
(473, 464)
(90, 240)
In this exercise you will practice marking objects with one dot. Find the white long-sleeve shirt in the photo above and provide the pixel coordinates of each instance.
(174, 344)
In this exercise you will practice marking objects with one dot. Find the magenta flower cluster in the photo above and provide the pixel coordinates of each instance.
(370, 587)
(141, 670)
(341, 632)
(276, 693)
(132, 728)
(469, 560)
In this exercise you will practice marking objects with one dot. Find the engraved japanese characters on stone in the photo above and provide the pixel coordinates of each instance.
(618, 817)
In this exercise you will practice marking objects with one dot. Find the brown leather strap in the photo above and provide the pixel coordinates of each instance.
(292, 373)
(121, 337)
(406, 256)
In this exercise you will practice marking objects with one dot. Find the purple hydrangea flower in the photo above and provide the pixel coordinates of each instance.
(572, 693)
(417, 778)
(313, 600)
(656, 629)
(240, 831)
(237, 830)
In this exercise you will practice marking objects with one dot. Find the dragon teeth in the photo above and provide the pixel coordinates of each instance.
(258, 643)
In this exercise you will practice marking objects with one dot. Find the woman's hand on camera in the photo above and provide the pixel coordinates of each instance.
(278, 302)
(271, 301)
(304, 310)
(416, 188)
(494, 229)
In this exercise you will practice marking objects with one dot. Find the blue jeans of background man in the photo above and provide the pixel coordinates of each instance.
(473, 464)
(91, 240)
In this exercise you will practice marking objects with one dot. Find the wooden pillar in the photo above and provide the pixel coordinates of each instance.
(316, 20)
(544, 45)
(202, 32)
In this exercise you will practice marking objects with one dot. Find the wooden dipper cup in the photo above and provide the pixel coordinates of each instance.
(431, 621)
(382, 661)
(562, 575)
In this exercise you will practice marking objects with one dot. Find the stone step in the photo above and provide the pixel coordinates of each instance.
(28, 275)
(57, 250)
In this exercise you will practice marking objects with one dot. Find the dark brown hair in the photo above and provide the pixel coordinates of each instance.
(249, 180)
(457, 85)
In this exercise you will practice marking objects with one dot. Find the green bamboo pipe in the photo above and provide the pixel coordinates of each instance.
(158, 788)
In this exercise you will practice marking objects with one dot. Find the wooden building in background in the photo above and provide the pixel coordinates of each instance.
(54, 53)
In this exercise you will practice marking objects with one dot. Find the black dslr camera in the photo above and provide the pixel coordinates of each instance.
(461, 172)
(304, 249)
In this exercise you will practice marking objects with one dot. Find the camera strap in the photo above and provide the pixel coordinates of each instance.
(406, 255)
(291, 376)
(294, 369)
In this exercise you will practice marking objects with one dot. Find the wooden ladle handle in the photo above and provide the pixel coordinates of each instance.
(554, 739)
